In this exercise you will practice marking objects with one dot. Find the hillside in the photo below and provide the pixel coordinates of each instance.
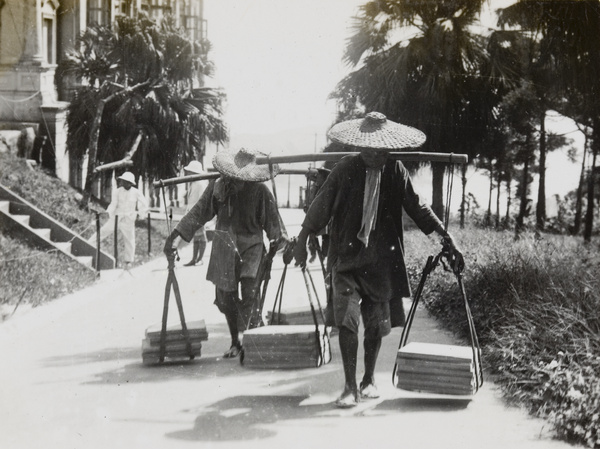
(31, 276)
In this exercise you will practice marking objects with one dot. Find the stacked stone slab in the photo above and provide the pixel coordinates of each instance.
(286, 347)
(436, 368)
(175, 342)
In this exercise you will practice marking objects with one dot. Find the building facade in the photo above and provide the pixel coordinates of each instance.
(34, 36)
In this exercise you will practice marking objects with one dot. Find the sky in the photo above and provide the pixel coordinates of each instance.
(278, 61)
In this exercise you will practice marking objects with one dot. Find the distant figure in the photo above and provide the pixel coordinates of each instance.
(362, 201)
(195, 191)
(127, 202)
(246, 210)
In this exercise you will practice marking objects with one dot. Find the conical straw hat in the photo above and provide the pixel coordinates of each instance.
(242, 165)
(377, 132)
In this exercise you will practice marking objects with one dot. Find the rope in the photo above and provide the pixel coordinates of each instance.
(430, 265)
(20, 100)
(272, 176)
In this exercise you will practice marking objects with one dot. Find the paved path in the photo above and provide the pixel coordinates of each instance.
(72, 377)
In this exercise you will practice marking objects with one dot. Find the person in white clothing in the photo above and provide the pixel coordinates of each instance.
(127, 202)
(195, 191)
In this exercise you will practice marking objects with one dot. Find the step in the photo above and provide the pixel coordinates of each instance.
(23, 219)
(43, 232)
(85, 260)
(5, 206)
(63, 246)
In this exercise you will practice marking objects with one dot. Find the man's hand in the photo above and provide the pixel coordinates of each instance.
(170, 248)
(453, 254)
(288, 251)
(300, 253)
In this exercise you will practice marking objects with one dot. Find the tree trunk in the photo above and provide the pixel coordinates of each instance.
(540, 210)
(523, 205)
(589, 214)
(463, 203)
(93, 150)
(488, 214)
(508, 198)
(579, 199)
(94, 134)
(498, 184)
(437, 184)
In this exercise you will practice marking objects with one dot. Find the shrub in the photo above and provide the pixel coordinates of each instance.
(536, 304)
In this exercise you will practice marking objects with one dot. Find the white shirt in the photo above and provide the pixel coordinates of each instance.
(127, 203)
(196, 189)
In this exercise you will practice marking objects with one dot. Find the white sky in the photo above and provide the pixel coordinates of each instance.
(278, 60)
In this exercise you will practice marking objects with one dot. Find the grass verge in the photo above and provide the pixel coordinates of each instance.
(536, 304)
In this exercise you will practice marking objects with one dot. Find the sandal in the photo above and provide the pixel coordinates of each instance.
(348, 399)
(368, 391)
(233, 352)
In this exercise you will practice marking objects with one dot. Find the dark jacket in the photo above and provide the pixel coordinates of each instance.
(339, 203)
(237, 247)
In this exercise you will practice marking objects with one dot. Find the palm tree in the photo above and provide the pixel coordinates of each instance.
(140, 84)
(428, 79)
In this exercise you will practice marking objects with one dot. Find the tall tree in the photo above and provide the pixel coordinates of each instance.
(426, 78)
(570, 37)
(140, 83)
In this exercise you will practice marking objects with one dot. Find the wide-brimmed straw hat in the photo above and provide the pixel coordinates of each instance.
(194, 167)
(377, 132)
(128, 176)
(242, 165)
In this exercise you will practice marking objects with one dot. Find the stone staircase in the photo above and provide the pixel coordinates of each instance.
(23, 220)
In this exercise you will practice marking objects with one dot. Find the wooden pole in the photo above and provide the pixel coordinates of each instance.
(149, 222)
(407, 156)
(97, 241)
(213, 175)
(116, 240)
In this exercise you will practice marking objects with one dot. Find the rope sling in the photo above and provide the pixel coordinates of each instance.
(443, 257)
(252, 336)
(172, 283)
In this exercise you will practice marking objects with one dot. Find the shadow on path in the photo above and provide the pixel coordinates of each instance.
(424, 404)
(245, 417)
(252, 417)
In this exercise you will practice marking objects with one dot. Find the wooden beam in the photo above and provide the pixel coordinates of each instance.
(407, 156)
(184, 179)
(214, 175)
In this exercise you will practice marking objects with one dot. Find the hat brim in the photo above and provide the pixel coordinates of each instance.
(386, 136)
(224, 162)
(191, 170)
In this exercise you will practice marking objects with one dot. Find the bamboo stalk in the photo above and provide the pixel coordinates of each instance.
(213, 175)
(407, 156)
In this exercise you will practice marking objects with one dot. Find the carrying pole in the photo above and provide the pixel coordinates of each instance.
(405, 156)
